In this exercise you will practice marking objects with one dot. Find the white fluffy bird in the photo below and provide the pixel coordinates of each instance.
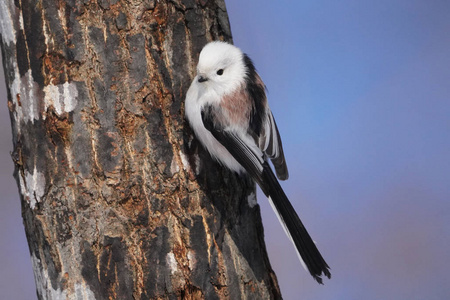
(227, 108)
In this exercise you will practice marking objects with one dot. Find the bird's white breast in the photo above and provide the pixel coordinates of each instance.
(196, 98)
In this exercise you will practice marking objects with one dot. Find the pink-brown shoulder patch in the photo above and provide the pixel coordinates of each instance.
(237, 106)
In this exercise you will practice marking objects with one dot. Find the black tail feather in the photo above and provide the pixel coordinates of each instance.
(266, 179)
(306, 248)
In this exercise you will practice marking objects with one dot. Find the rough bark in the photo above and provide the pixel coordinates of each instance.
(118, 199)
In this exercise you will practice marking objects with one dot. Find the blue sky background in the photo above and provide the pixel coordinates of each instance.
(361, 94)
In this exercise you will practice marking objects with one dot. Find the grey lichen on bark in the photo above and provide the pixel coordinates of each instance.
(118, 199)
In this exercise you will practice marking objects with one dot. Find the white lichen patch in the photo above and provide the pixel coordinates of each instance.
(21, 27)
(82, 292)
(7, 11)
(197, 164)
(63, 97)
(23, 92)
(172, 262)
(39, 276)
(184, 160)
(187, 165)
(45, 289)
(57, 294)
(191, 260)
(251, 199)
(174, 167)
(32, 187)
(43, 284)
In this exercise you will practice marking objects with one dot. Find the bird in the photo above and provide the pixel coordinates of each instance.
(227, 108)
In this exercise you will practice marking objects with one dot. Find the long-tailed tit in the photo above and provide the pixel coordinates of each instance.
(227, 108)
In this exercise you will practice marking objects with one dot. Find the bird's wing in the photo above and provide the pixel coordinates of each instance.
(270, 144)
(262, 125)
(240, 145)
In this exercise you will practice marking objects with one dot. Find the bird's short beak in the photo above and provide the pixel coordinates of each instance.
(202, 78)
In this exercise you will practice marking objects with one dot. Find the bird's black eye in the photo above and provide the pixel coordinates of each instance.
(220, 72)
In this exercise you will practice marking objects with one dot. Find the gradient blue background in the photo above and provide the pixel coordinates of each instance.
(361, 94)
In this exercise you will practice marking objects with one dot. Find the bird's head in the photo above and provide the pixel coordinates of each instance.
(221, 67)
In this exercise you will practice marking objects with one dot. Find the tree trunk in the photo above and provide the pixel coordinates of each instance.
(118, 199)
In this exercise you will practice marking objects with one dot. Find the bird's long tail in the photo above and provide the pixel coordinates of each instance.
(309, 255)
